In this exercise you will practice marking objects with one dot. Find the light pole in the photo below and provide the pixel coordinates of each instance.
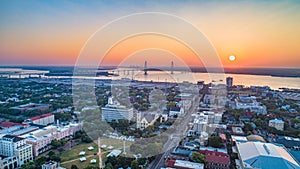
(100, 153)
(124, 152)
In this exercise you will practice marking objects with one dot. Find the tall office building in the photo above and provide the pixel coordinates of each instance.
(229, 81)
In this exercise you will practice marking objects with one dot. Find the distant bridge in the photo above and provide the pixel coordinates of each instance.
(21, 74)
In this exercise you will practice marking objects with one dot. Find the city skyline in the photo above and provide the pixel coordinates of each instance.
(258, 34)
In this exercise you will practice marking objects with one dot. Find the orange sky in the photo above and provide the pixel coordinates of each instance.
(259, 34)
(130, 51)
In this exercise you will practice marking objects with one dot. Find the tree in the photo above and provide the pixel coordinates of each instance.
(51, 153)
(55, 158)
(91, 167)
(135, 164)
(29, 165)
(171, 104)
(215, 141)
(55, 144)
(78, 134)
(74, 166)
(86, 139)
(35, 164)
(109, 166)
(40, 161)
(248, 128)
(135, 148)
(198, 158)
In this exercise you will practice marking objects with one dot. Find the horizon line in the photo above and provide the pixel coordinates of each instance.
(191, 66)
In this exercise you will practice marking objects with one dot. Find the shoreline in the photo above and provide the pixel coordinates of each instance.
(274, 72)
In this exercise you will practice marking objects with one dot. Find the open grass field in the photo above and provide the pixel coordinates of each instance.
(83, 164)
(70, 157)
(74, 152)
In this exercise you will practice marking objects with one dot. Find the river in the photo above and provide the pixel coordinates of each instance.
(193, 77)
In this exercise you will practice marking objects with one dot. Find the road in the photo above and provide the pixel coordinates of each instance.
(172, 142)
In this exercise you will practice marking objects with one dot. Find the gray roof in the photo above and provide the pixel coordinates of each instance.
(175, 108)
(165, 112)
(149, 117)
(13, 138)
(266, 156)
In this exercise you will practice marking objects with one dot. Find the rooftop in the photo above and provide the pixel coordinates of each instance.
(31, 106)
(276, 121)
(40, 116)
(188, 164)
(18, 130)
(7, 124)
(266, 156)
(114, 153)
(184, 164)
(239, 138)
(173, 108)
(13, 138)
(216, 157)
(255, 138)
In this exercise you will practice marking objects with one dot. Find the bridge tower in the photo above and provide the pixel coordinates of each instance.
(172, 67)
(145, 68)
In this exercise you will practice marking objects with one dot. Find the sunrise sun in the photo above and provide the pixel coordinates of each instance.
(231, 58)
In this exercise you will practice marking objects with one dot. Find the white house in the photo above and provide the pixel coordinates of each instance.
(176, 111)
(278, 124)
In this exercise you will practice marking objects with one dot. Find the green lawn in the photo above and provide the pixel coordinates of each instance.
(82, 165)
(117, 144)
(74, 152)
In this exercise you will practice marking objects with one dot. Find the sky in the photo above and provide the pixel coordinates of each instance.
(55, 32)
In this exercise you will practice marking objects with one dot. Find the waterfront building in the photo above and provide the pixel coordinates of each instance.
(229, 81)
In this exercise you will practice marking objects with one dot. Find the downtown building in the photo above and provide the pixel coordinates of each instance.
(249, 103)
(44, 119)
(258, 154)
(146, 119)
(229, 81)
(41, 139)
(114, 111)
(52, 165)
(216, 160)
(14, 152)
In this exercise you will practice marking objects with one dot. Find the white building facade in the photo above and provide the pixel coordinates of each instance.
(13, 146)
(277, 124)
(42, 138)
(44, 119)
(114, 111)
